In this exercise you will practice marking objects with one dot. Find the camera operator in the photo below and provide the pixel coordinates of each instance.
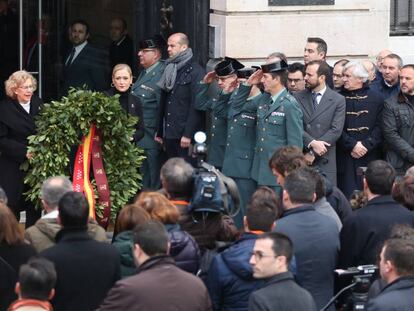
(205, 227)
(397, 271)
(366, 229)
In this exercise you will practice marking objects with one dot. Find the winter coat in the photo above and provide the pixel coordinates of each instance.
(230, 277)
(184, 249)
(43, 233)
(123, 242)
(158, 285)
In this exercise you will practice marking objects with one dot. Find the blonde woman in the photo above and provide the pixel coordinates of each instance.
(17, 114)
(121, 85)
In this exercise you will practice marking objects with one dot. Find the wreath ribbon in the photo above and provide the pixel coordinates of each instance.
(90, 152)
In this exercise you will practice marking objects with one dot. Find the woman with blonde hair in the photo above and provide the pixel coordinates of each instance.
(17, 114)
(183, 247)
(121, 85)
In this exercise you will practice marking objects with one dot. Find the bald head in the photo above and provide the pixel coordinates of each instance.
(177, 43)
(370, 67)
(380, 57)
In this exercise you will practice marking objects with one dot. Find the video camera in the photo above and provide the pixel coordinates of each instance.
(212, 191)
(361, 278)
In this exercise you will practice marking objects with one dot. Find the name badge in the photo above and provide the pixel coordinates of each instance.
(277, 113)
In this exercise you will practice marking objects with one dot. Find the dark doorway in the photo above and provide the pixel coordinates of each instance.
(169, 16)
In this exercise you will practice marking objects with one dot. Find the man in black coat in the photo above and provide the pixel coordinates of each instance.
(315, 236)
(84, 64)
(397, 270)
(121, 50)
(86, 269)
(178, 118)
(366, 229)
(270, 259)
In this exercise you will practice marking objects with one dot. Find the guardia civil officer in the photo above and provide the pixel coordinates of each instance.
(149, 92)
(279, 120)
(225, 75)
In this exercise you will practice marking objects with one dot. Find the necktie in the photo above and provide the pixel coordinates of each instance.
(70, 58)
(315, 100)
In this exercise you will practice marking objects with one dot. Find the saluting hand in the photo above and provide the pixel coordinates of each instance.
(209, 77)
(255, 78)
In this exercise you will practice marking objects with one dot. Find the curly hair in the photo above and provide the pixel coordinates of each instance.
(17, 79)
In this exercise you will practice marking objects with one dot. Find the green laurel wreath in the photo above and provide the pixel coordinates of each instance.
(62, 124)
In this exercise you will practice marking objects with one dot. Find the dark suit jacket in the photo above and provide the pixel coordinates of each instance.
(316, 244)
(367, 228)
(15, 126)
(89, 67)
(86, 270)
(178, 116)
(325, 123)
(122, 52)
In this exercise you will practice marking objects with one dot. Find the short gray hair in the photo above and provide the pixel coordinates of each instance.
(359, 70)
(177, 177)
(53, 190)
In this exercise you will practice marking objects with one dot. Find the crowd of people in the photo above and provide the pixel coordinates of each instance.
(299, 140)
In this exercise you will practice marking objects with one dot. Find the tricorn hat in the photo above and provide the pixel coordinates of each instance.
(156, 42)
(245, 73)
(227, 67)
(274, 67)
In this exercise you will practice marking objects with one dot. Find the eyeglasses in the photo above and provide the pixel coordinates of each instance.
(259, 256)
(27, 87)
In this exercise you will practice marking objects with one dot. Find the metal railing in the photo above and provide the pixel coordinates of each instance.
(402, 18)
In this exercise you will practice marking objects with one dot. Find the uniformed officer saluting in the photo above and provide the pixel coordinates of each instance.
(279, 120)
(149, 92)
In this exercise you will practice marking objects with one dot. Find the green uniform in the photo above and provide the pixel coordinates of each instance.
(217, 134)
(241, 140)
(279, 124)
(149, 93)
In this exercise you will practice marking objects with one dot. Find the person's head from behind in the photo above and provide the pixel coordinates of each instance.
(396, 259)
(284, 160)
(403, 191)
(177, 178)
(52, 191)
(37, 280)
(10, 231)
(272, 253)
(150, 240)
(73, 210)
(159, 207)
(320, 185)
(262, 211)
(379, 178)
(131, 216)
(299, 188)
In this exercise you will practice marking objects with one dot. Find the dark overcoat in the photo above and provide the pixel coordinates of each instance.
(362, 123)
(365, 230)
(86, 270)
(15, 127)
(316, 244)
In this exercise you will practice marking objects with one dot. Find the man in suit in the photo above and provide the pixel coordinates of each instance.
(315, 236)
(178, 118)
(279, 120)
(149, 93)
(86, 269)
(323, 118)
(84, 64)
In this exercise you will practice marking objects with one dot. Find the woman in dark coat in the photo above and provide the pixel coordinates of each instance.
(183, 247)
(17, 114)
(14, 252)
(121, 84)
